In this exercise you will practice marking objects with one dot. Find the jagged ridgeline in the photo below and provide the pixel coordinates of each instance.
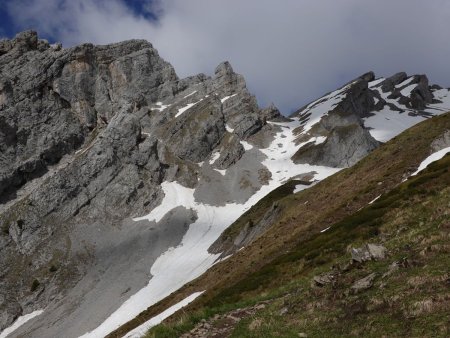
(117, 178)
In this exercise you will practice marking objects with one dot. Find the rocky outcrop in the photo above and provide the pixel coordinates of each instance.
(231, 150)
(250, 231)
(344, 146)
(364, 283)
(441, 142)
(368, 252)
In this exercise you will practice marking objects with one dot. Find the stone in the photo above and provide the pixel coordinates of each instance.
(325, 278)
(368, 252)
(364, 283)
(377, 252)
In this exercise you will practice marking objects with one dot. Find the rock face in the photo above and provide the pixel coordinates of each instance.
(344, 146)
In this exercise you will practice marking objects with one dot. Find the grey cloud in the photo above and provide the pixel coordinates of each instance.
(290, 51)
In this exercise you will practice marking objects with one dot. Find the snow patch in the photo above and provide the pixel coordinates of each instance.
(299, 187)
(223, 172)
(142, 329)
(322, 106)
(227, 97)
(325, 229)
(280, 163)
(407, 91)
(183, 109)
(320, 139)
(405, 83)
(376, 82)
(190, 94)
(432, 158)
(19, 322)
(160, 106)
(246, 145)
(215, 156)
(229, 129)
(374, 199)
(386, 123)
(442, 95)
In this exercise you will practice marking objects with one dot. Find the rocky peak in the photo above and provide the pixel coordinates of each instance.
(367, 77)
(341, 116)
(22, 42)
(226, 80)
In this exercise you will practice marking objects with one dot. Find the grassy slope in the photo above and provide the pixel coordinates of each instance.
(283, 260)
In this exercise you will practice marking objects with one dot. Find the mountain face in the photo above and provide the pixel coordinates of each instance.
(117, 178)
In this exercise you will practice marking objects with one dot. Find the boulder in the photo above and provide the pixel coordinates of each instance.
(364, 283)
(368, 252)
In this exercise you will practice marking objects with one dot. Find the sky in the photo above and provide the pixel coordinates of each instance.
(289, 51)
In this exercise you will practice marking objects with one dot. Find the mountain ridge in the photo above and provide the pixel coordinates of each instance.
(109, 163)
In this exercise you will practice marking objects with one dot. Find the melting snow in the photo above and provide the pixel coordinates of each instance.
(374, 199)
(215, 157)
(19, 322)
(322, 106)
(374, 83)
(161, 106)
(319, 139)
(387, 123)
(406, 91)
(279, 155)
(183, 109)
(405, 83)
(179, 265)
(246, 145)
(141, 330)
(226, 98)
(432, 158)
(439, 108)
(221, 171)
(228, 128)
(299, 187)
(190, 94)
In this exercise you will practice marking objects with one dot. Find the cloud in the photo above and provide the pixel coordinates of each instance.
(290, 51)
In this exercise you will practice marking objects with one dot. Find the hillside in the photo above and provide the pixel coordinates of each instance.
(410, 220)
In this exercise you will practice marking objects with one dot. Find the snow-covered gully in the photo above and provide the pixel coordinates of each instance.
(179, 265)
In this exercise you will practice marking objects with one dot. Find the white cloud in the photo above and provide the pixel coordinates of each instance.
(290, 51)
